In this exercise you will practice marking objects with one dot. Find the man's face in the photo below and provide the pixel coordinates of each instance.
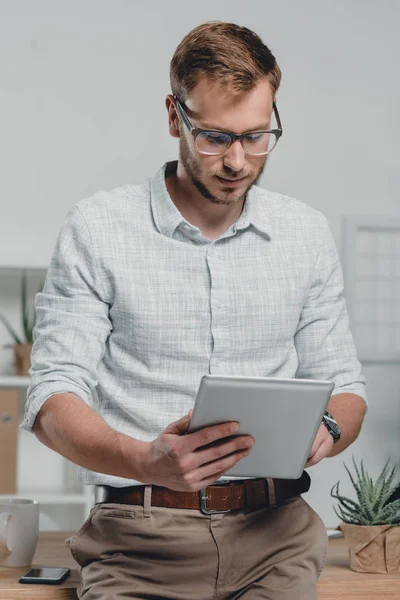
(226, 178)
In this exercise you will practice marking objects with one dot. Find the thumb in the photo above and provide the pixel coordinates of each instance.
(179, 427)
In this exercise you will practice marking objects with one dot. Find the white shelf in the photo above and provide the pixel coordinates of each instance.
(46, 485)
(49, 498)
(42, 474)
(14, 381)
(17, 268)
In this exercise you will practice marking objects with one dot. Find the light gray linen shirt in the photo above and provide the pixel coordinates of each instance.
(138, 306)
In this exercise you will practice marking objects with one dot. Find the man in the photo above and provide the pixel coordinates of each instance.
(150, 287)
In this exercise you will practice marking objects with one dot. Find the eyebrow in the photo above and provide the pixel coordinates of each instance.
(263, 127)
(207, 127)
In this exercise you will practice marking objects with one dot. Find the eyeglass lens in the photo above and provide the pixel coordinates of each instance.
(213, 142)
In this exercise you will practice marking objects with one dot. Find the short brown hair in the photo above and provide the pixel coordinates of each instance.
(228, 54)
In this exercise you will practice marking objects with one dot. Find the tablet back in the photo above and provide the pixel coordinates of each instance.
(283, 415)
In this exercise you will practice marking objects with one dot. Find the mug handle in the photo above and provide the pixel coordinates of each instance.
(4, 519)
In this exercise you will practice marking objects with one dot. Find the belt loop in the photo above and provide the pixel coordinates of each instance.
(271, 492)
(147, 501)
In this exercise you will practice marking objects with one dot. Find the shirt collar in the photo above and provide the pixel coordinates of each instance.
(167, 217)
(252, 213)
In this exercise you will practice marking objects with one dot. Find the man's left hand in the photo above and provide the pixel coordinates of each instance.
(321, 448)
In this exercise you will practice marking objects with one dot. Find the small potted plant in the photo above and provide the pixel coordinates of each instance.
(371, 525)
(23, 344)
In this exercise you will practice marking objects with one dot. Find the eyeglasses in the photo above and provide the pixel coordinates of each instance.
(214, 142)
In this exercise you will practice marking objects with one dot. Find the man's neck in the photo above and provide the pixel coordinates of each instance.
(212, 219)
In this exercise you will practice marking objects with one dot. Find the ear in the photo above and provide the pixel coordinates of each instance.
(173, 119)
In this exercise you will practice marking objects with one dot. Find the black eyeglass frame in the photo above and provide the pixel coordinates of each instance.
(195, 131)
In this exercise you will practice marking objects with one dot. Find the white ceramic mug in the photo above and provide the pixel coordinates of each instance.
(19, 528)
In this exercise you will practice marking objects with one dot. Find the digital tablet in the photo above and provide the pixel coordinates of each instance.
(283, 415)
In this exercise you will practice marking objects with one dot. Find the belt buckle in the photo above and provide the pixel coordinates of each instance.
(203, 505)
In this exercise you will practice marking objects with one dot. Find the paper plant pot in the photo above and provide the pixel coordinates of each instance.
(22, 354)
(374, 549)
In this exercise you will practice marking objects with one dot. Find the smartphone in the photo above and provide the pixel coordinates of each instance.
(45, 575)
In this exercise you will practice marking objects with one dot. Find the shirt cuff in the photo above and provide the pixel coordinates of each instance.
(44, 391)
(352, 388)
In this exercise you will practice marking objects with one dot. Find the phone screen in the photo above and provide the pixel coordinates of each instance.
(45, 575)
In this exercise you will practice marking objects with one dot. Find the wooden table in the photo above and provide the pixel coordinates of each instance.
(51, 551)
(337, 580)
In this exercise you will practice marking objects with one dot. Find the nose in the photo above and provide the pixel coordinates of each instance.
(234, 157)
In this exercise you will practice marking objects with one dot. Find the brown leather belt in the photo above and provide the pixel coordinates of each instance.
(221, 497)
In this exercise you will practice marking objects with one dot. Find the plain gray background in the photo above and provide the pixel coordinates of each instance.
(83, 84)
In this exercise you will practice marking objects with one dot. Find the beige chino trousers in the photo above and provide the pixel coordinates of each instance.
(157, 553)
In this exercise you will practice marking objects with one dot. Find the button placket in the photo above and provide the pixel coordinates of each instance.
(219, 323)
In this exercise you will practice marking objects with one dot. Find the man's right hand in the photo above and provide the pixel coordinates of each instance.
(193, 461)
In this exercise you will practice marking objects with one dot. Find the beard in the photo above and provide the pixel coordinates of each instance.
(197, 174)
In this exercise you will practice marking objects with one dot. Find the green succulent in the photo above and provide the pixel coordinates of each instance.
(378, 502)
(28, 323)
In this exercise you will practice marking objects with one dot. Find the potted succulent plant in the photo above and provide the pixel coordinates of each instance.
(23, 344)
(371, 525)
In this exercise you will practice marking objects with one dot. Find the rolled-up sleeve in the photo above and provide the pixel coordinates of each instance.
(72, 324)
(323, 339)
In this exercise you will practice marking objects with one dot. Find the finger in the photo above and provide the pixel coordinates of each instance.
(208, 435)
(209, 480)
(322, 452)
(314, 460)
(219, 449)
(319, 439)
(178, 427)
(314, 448)
(215, 469)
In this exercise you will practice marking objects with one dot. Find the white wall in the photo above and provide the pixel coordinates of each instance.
(82, 105)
